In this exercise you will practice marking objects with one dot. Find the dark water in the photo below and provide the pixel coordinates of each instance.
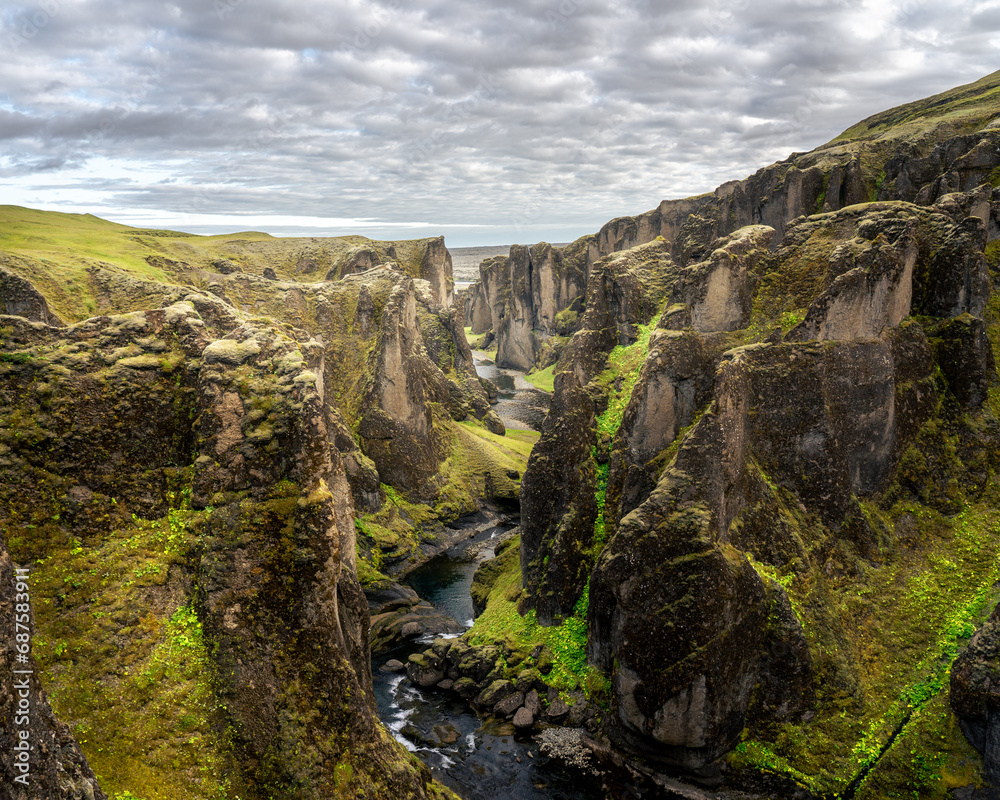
(446, 583)
(521, 404)
(477, 762)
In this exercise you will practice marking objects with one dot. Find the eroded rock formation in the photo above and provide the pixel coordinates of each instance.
(193, 418)
(792, 430)
(922, 164)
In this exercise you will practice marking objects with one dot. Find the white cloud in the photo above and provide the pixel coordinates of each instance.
(388, 112)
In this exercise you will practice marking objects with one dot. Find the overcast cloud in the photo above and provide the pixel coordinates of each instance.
(489, 122)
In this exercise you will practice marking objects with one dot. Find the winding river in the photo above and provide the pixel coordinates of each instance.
(477, 761)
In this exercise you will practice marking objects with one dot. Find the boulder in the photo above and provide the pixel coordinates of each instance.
(424, 670)
(510, 704)
(523, 718)
(497, 691)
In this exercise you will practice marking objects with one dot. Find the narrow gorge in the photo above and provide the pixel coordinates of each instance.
(717, 486)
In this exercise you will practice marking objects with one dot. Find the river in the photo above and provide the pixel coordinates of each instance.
(477, 761)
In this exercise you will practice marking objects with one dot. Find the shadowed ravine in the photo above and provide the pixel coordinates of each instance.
(479, 761)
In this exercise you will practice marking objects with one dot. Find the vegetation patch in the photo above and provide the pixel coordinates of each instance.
(543, 379)
(887, 660)
(124, 660)
(566, 642)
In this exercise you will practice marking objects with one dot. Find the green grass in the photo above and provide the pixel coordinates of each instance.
(54, 251)
(964, 108)
(567, 642)
(624, 362)
(543, 379)
(902, 624)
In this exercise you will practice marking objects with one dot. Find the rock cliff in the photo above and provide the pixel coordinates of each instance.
(167, 476)
(751, 440)
(920, 153)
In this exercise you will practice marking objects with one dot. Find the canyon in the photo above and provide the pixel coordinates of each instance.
(757, 553)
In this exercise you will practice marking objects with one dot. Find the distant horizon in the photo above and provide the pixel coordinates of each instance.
(398, 121)
(456, 237)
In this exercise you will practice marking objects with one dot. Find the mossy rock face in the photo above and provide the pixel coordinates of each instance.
(558, 506)
(392, 321)
(57, 767)
(205, 494)
(779, 468)
(926, 152)
(975, 694)
(18, 298)
(487, 573)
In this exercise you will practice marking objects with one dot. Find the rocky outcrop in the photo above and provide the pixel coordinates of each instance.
(435, 268)
(717, 294)
(829, 389)
(399, 616)
(829, 430)
(975, 695)
(558, 505)
(398, 366)
(557, 492)
(397, 431)
(115, 420)
(19, 298)
(922, 164)
(542, 284)
(673, 386)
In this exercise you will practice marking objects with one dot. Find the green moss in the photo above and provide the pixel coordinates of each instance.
(125, 662)
(930, 758)
(619, 378)
(566, 321)
(566, 642)
(820, 202)
(901, 621)
(543, 379)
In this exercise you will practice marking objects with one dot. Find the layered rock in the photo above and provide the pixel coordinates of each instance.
(115, 420)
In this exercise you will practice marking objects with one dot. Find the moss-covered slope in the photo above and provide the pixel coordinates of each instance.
(198, 621)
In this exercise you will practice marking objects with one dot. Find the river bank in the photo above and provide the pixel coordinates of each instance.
(478, 760)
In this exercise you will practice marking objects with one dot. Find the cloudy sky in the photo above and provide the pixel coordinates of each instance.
(489, 122)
